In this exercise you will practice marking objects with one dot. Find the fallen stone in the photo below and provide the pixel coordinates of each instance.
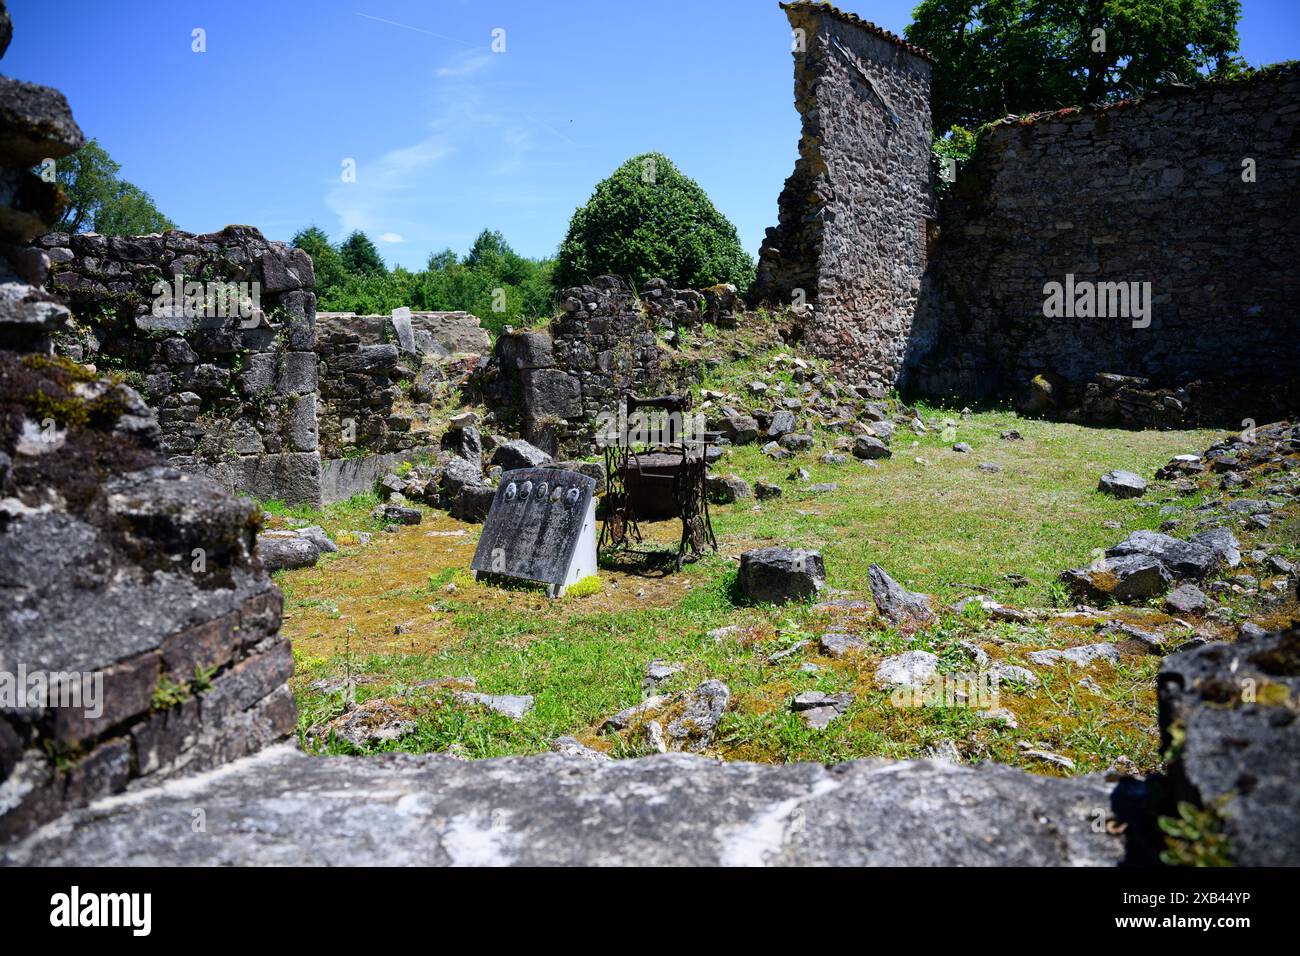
(725, 489)
(909, 669)
(656, 672)
(571, 747)
(962, 448)
(1080, 656)
(1046, 756)
(397, 514)
(738, 429)
(283, 806)
(1222, 542)
(366, 725)
(1231, 709)
(518, 453)
(765, 490)
(287, 552)
(1183, 559)
(694, 729)
(1013, 674)
(1122, 484)
(782, 423)
(317, 536)
(818, 709)
(1132, 577)
(781, 575)
(777, 656)
(839, 645)
(514, 706)
(635, 714)
(472, 504)
(869, 449)
(1187, 599)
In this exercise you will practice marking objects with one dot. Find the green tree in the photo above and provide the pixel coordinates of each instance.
(100, 201)
(648, 220)
(441, 260)
(360, 257)
(999, 57)
(493, 282)
(327, 263)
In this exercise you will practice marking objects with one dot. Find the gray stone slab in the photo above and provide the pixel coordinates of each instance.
(341, 478)
(282, 807)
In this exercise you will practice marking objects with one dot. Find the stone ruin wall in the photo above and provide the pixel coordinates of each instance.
(377, 371)
(1148, 191)
(949, 301)
(114, 567)
(236, 397)
(553, 383)
(853, 217)
(288, 404)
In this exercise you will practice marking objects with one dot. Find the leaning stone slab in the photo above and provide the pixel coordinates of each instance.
(895, 602)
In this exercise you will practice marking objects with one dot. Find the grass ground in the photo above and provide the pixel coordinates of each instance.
(403, 608)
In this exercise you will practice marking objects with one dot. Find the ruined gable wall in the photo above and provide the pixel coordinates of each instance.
(1145, 191)
(852, 217)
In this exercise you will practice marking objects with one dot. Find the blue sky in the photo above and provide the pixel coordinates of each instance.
(448, 137)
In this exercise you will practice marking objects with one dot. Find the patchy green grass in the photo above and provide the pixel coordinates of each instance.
(403, 609)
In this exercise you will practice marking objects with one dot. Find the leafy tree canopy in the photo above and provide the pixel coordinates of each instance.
(648, 220)
(493, 282)
(999, 57)
(328, 264)
(100, 201)
(359, 255)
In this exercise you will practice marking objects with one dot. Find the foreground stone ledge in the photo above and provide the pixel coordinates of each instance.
(282, 807)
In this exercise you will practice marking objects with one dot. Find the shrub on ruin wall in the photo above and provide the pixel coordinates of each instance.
(647, 221)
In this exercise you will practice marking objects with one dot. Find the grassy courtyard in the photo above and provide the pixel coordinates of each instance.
(403, 609)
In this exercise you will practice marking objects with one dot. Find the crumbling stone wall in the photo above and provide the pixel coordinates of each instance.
(1153, 190)
(139, 636)
(236, 395)
(378, 372)
(853, 217)
(555, 382)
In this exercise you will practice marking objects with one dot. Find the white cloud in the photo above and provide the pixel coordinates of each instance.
(465, 64)
(477, 153)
